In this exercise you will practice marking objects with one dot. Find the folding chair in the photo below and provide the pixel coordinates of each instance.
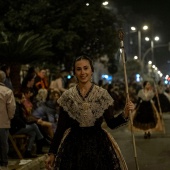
(19, 143)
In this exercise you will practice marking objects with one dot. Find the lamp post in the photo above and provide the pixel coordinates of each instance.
(156, 38)
(139, 44)
(134, 29)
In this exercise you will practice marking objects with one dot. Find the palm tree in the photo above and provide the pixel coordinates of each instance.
(25, 48)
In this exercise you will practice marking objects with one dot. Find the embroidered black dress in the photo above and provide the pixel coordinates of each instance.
(145, 117)
(79, 142)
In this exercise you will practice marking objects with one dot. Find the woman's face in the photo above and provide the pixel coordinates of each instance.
(83, 71)
(148, 85)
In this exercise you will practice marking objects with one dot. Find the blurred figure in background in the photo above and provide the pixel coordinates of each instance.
(72, 82)
(28, 81)
(164, 98)
(146, 115)
(40, 98)
(41, 81)
(59, 83)
(49, 110)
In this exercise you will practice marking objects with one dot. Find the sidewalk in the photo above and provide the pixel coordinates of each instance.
(27, 164)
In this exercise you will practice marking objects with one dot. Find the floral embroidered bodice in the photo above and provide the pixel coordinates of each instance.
(85, 110)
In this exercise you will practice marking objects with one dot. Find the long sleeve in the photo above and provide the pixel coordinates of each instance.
(63, 125)
(10, 104)
(112, 121)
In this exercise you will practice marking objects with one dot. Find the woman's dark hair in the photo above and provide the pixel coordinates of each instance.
(144, 83)
(83, 57)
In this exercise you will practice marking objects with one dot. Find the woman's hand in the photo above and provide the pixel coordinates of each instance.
(49, 162)
(128, 107)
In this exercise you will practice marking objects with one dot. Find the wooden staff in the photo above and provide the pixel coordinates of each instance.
(121, 36)
(159, 106)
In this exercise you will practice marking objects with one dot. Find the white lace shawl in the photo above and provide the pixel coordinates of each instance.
(146, 95)
(85, 111)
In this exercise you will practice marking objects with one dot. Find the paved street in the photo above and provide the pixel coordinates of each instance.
(153, 153)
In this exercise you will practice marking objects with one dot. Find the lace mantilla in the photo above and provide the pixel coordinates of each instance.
(85, 111)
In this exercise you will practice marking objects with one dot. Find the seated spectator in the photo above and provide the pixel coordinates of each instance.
(20, 125)
(44, 125)
(49, 110)
(40, 98)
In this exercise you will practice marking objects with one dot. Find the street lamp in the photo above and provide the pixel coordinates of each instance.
(156, 38)
(153, 71)
(105, 3)
(134, 29)
(135, 57)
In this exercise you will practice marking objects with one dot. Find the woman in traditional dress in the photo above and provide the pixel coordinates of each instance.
(79, 142)
(145, 117)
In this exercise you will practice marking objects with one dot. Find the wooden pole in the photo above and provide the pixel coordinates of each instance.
(159, 106)
(121, 35)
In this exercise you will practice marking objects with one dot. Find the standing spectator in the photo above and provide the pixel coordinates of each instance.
(7, 110)
(40, 81)
(7, 81)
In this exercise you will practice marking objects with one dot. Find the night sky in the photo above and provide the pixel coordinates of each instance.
(159, 9)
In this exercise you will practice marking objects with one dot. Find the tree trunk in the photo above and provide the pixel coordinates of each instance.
(15, 76)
